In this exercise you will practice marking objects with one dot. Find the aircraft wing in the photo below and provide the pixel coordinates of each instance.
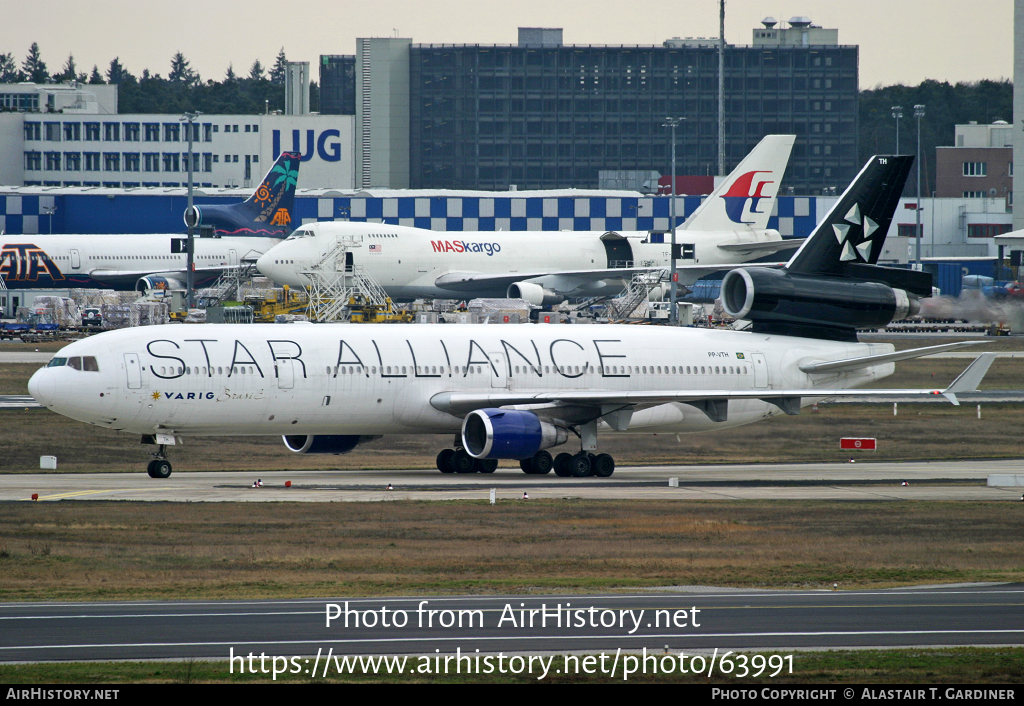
(468, 282)
(714, 403)
(761, 247)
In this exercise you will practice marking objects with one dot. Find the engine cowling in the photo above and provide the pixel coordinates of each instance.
(534, 293)
(783, 302)
(325, 444)
(145, 284)
(502, 433)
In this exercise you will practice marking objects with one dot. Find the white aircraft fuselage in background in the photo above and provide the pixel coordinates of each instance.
(411, 263)
(70, 261)
(546, 267)
(238, 233)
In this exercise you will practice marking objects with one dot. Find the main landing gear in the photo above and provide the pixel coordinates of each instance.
(458, 461)
(581, 465)
(159, 467)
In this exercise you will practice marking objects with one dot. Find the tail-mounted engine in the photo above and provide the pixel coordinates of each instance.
(793, 304)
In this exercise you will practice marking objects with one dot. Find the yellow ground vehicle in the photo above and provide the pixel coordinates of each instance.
(363, 312)
(266, 309)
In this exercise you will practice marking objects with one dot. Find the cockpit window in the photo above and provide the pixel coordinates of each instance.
(87, 363)
(300, 233)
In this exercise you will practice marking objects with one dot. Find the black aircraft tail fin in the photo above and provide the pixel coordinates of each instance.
(833, 285)
(268, 212)
(854, 230)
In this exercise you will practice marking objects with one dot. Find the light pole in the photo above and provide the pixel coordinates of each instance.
(897, 113)
(190, 217)
(49, 211)
(918, 113)
(673, 276)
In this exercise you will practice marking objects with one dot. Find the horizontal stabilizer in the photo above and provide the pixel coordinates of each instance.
(762, 247)
(969, 379)
(869, 360)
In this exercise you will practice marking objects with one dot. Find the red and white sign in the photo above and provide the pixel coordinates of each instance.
(857, 444)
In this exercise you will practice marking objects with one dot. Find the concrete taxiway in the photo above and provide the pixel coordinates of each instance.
(953, 480)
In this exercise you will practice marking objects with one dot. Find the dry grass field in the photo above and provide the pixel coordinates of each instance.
(120, 550)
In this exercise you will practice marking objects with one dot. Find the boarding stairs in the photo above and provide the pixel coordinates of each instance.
(335, 284)
(632, 303)
(227, 285)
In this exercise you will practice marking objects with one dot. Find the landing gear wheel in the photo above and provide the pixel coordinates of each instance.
(541, 463)
(462, 462)
(486, 465)
(159, 469)
(444, 461)
(580, 465)
(527, 465)
(563, 463)
(603, 465)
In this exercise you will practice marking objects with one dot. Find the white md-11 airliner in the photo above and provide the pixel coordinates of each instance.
(729, 227)
(513, 392)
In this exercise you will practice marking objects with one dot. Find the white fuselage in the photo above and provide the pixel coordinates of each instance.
(408, 262)
(68, 261)
(375, 379)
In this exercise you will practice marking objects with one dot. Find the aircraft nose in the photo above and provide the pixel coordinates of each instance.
(265, 264)
(42, 387)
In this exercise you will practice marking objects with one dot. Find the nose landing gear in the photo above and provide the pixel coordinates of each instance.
(159, 467)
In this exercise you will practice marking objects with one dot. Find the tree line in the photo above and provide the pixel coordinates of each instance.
(182, 90)
(946, 105)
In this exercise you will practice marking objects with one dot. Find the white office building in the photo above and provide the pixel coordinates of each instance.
(76, 147)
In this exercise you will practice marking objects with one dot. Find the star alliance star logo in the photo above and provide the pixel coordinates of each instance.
(847, 232)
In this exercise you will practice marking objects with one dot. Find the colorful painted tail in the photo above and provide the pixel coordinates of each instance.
(268, 212)
(747, 196)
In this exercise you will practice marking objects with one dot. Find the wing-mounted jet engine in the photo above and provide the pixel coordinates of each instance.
(325, 444)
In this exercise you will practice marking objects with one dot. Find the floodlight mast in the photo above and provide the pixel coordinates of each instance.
(191, 219)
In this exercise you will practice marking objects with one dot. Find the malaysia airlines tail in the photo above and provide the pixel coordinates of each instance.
(267, 213)
(746, 198)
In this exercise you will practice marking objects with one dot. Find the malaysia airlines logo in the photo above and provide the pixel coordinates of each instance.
(25, 262)
(741, 191)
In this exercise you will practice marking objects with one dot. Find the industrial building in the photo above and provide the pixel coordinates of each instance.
(542, 114)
